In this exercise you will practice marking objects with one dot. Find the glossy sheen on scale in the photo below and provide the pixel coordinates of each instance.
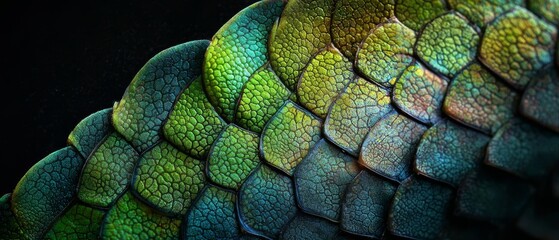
(321, 119)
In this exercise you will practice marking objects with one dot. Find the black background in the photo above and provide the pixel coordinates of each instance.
(62, 61)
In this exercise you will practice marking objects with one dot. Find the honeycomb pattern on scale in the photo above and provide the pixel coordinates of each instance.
(321, 119)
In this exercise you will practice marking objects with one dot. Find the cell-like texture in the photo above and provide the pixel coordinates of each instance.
(149, 98)
(478, 99)
(288, 137)
(448, 151)
(547, 9)
(355, 111)
(236, 51)
(366, 205)
(327, 74)
(539, 101)
(91, 131)
(389, 147)
(524, 149)
(303, 29)
(262, 96)
(491, 196)
(321, 179)
(131, 219)
(10, 228)
(481, 12)
(447, 44)
(233, 157)
(416, 13)
(107, 172)
(212, 216)
(193, 124)
(266, 202)
(309, 227)
(419, 93)
(386, 53)
(168, 179)
(46, 190)
(517, 45)
(353, 19)
(419, 209)
(321, 119)
(79, 222)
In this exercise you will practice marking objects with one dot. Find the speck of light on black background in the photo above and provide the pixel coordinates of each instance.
(61, 62)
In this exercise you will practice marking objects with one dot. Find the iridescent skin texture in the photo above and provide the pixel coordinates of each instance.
(328, 119)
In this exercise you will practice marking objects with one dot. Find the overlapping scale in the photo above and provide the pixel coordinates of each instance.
(539, 100)
(130, 218)
(57, 172)
(478, 99)
(419, 93)
(385, 53)
(266, 202)
(547, 9)
(168, 179)
(321, 180)
(482, 12)
(449, 151)
(45, 191)
(302, 30)
(108, 171)
(447, 44)
(237, 50)
(90, 131)
(366, 205)
(326, 75)
(10, 227)
(262, 96)
(193, 124)
(149, 98)
(420, 208)
(79, 222)
(233, 157)
(261, 141)
(524, 149)
(491, 196)
(416, 13)
(355, 111)
(288, 137)
(353, 19)
(213, 216)
(390, 146)
(517, 45)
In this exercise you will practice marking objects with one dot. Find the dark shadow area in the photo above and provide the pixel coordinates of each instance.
(62, 61)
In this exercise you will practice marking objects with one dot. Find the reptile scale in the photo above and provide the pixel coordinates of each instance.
(322, 119)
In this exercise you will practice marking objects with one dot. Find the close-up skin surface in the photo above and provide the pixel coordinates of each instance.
(330, 119)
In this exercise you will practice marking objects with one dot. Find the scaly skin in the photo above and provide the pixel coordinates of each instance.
(321, 120)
